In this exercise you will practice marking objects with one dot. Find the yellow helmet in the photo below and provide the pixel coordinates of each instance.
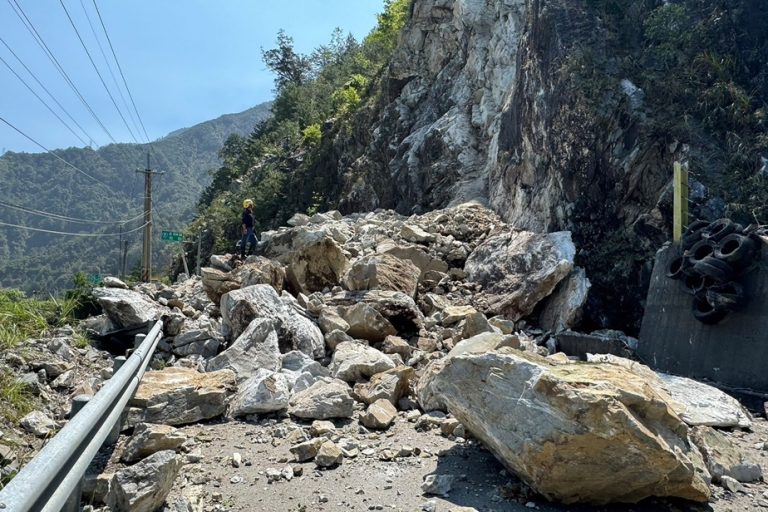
(247, 203)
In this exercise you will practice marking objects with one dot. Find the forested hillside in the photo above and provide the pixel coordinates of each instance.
(112, 191)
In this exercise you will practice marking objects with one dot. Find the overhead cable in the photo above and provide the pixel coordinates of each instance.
(50, 94)
(109, 68)
(27, 228)
(75, 220)
(95, 68)
(120, 69)
(52, 153)
(41, 43)
(42, 100)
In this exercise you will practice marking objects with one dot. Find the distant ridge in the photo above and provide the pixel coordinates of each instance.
(44, 262)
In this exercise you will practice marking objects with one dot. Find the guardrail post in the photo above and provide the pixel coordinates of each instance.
(117, 363)
(138, 340)
(73, 502)
(78, 402)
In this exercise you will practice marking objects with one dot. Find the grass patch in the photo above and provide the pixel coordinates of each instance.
(15, 399)
(80, 339)
(22, 318)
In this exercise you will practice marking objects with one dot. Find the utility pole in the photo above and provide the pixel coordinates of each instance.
(120, 255)
(124, 260)
(199, 247)
(146, 256)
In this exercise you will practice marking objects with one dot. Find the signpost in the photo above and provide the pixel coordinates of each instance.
(172, 236)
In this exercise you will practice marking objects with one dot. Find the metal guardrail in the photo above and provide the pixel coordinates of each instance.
(51, 481)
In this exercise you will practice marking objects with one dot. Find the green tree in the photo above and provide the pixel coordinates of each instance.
(288, 66)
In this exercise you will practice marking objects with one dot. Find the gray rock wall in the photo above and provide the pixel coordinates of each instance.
(491, 100)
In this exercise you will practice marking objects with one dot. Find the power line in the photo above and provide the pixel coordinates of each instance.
(27, 228)
(41, 43)
(42, 100)
(55, 216)
(50, 94)
(120, 68)
(95, 68)
(54, 154)
(109, 67)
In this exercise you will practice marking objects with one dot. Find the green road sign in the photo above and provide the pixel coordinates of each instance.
(94, 279)
(172, 236)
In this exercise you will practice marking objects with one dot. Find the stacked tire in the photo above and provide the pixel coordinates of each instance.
(714, 258)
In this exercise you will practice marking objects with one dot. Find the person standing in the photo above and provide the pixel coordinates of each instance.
(247, 229)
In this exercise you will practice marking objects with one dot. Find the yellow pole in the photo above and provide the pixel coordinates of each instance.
(680, 213)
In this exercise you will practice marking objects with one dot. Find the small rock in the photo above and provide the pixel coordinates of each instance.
(380, 414)
(448, 426)
(38, 423)
(429, 506)
(731, 484)
(320, 428)
(387, 455)
(439, 485)
(329, 455)
(237, 459)
(405, 451)
(307, 450)
(273, 475)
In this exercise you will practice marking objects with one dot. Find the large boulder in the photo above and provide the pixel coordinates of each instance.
(391, 385)
(148, 439)
(517, 269)
(143, 487)
(217, 282)
(695, 402)
(179, 396)
(316, 266)
(260, 270)
(594, 433)
(255, 348)
(364, 322)
(565, 306)
(383, 272)
(325, 399)
(398, 308)
(354, 361)
(705, 405)
(127, 308)
(415, 254)
(295, 330)
(264, 392)
(202, 342)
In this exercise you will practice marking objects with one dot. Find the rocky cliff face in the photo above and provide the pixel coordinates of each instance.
(521, 103)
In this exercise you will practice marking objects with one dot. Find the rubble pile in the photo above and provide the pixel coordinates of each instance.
(376, 320)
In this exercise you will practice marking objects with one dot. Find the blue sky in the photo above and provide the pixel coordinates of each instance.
(186, 61)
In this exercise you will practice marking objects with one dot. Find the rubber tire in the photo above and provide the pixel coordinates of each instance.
(693, 233)
(705, 313)
(700, 250)
(736, 250)
(677, 268)
(729, 296)
(697, 285)
(717, 269)
(719, 229)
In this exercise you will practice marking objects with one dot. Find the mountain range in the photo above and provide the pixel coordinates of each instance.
(106, 188)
